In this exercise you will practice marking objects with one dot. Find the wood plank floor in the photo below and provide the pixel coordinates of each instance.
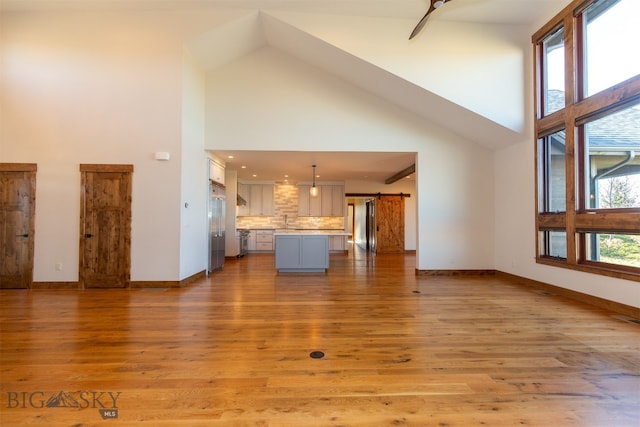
(234, 350)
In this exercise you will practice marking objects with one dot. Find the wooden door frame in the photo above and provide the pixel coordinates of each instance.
(127, 241)
(353, 220)
(369, 207)
(31, 168)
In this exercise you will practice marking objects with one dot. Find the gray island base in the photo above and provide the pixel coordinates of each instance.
(303, 251)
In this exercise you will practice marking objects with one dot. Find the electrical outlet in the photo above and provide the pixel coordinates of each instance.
(58, 266)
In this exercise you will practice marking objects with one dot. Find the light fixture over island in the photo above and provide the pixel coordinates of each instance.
(303, 251)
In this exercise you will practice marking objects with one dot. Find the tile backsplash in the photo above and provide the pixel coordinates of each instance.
(286, 204)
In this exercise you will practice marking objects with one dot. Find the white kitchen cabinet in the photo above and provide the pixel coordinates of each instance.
(303, 200)
(264, 240)
(259, 198)
(315, 204)
(336, 243)
(255, 200)
(332, 200)
(307, 205)
(260, 241)
(216, 172)
(268, 202)
(338, 201)
(329, 202)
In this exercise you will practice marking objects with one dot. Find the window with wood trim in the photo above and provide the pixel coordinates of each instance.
(588, 138)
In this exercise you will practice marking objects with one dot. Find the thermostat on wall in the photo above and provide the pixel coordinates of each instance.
(162, 155)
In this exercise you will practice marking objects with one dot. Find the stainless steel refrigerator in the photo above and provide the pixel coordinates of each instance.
(216, 226)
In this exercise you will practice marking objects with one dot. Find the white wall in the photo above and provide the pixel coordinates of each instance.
(456, 213)
(231, 246)
(101, 87)
(270, 101)
(194, 172)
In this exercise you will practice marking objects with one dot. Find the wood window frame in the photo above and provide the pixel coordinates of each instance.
(577, 220)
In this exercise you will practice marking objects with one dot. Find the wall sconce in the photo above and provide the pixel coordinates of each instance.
(314, 190)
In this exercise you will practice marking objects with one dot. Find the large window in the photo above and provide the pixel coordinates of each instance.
(588, 138)
(610, 43)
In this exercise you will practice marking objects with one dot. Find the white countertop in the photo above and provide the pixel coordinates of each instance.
(293, 232)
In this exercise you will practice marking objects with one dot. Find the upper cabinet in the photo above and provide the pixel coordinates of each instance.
(261, 200)
(303, 200)
(216, 172)
(329, 202)
(259, 197)
(332, 200)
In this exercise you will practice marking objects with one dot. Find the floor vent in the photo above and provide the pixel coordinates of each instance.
(627, 319)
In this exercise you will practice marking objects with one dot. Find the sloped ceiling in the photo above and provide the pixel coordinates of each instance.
(433, 76)
(391, 83)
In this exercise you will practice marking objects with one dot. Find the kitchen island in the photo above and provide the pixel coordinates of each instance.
(303, 251)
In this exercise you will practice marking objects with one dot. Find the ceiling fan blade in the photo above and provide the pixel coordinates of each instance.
(423, 21)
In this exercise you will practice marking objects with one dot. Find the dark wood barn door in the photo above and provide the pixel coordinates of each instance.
(17, 222)
(105, 226)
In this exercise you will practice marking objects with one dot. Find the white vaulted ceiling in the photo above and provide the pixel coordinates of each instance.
(465, 67)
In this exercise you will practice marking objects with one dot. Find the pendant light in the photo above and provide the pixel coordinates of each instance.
(314, 190)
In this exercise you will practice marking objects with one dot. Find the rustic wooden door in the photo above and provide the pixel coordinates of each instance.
(17, 222)
(389, 224)
(105, 226)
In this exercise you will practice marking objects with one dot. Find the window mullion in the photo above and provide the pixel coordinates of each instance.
(570, 130)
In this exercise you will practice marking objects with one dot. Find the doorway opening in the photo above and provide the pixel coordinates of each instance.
(378, 221)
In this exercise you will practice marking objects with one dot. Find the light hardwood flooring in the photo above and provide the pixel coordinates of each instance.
(234, 350)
